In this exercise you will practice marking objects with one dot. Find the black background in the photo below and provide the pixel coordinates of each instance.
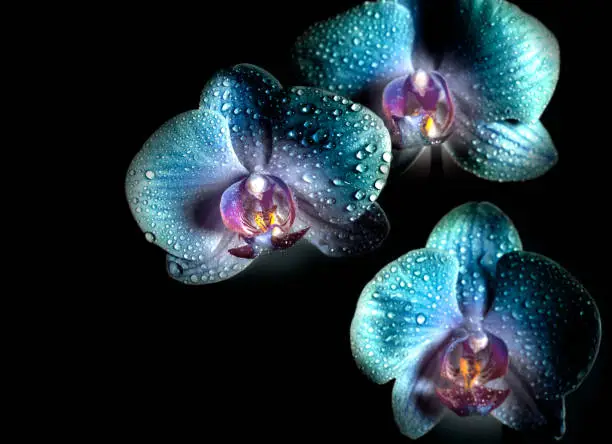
(266, 355)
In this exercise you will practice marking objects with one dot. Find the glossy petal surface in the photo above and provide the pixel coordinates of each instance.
(416, 408)
(506, 64)
(548, 321)
(244, 95)
(218, 266)
(520, 412)
(502, 151)
(174, 183)
(332, 152)
(407, 308)
(365, 234)
(477, 234)
(352, 51)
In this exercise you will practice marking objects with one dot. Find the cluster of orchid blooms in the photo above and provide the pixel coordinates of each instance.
(470, 322)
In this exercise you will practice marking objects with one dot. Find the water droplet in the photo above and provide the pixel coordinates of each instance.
(370, 148)
(386, 157)
(355, 107)
(150, 236)
(420, 319)
(150, 175)
(361, 167)
(308, 178)
(359, 194)
(379, 184)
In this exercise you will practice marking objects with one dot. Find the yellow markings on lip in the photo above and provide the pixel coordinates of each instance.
(429, 124)
(469, 373)
(265, 219)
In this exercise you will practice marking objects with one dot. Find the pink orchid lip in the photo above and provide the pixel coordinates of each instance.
(261, 209)
(425, 101)
(467, 366)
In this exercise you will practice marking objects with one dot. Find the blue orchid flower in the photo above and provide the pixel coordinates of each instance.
(256, 168)
(475, 325)
(481, 98)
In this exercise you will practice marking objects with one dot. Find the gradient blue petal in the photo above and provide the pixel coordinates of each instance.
(365, 234)
(332, 152)
(244, 95)
(506, 65)
(416, 407)
(502, 151)
(218, 266)
(549, 322)
(405, 310)
(521, 412)
(356, 49)
(175, 182)
(477, 234)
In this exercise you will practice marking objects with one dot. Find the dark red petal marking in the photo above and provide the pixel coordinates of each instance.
(477, 401)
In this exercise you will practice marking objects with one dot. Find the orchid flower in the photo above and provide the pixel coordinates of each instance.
(480, 98)
(475, 325)
(255, 169)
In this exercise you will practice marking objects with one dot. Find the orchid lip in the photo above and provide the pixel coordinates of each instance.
(420, 103)
(261, 209)
(469, 363)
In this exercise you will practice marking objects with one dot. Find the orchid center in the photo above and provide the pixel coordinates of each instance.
(469, 364)
(420, 106)
(261, 209)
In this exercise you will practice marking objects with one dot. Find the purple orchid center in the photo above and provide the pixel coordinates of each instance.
(261, 209)
(420, 104)
(468, 365)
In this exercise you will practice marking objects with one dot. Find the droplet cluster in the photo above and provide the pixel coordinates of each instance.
(477, 234)
(548, 321)
(348, 53)
(408, 305)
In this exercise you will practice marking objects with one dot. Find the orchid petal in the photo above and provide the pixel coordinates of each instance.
(365, 234)
(332, 152)
(218, 266)
(416, 407)
(244, 95)
(408, 307)
(521, 412)
(506, 64)
(548, 321)
(502, 151)
(477, 234)
(358, 48)
(174, 184)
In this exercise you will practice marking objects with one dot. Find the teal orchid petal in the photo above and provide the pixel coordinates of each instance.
(506, 63)
(416, 408)
(244, 95)
(403, 312)
(356, 49)
(549, 323)
(523, 413)
(366, 233)
(216, 267)
(174, 183)
(502, 151)
(333, 153)
(477, 234)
